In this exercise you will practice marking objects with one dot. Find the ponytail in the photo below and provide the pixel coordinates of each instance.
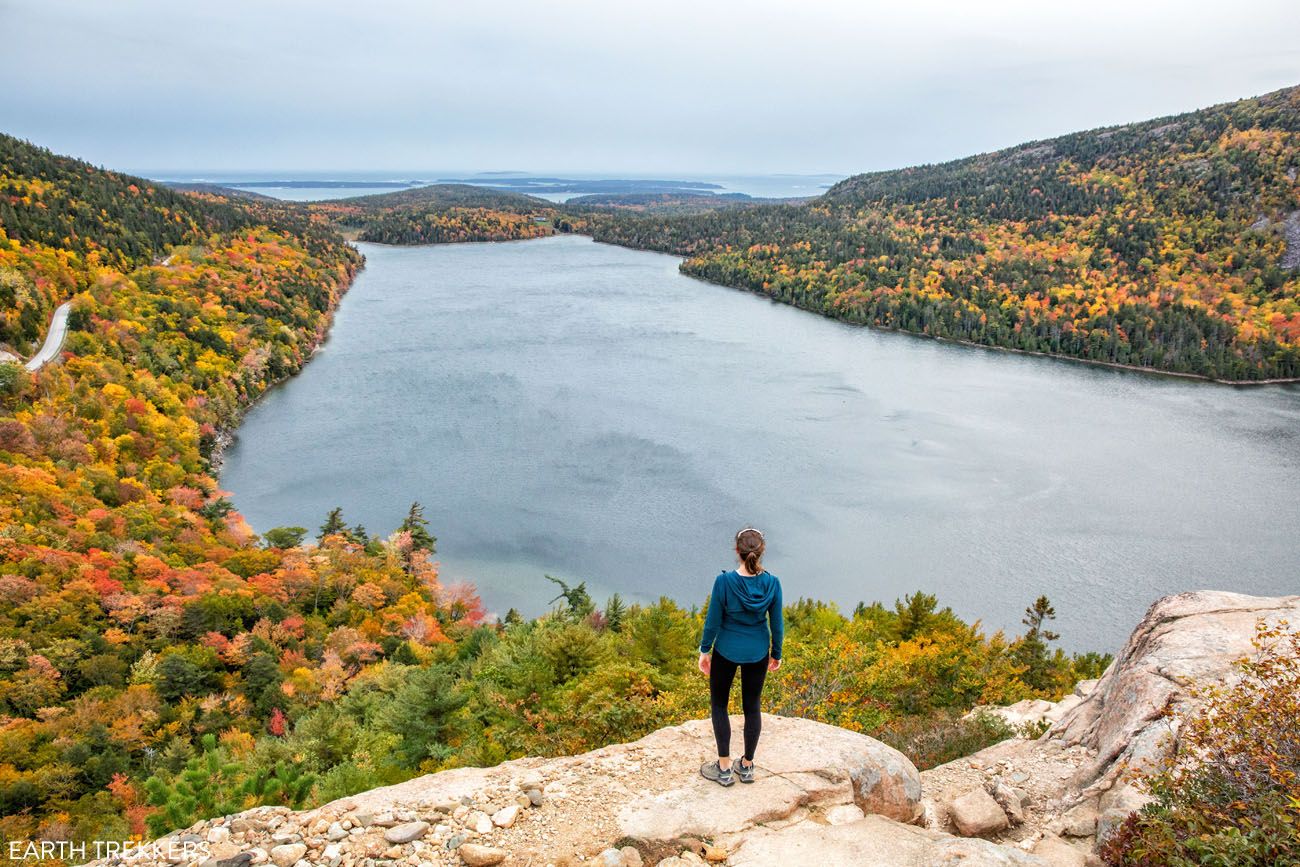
(749, 547)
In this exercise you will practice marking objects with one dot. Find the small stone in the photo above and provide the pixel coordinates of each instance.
(1079, 822)
(336, 832)
(842, 814)
(363, 820)
(406, 833)
(287, 854)
(976, 814)
(460, 812)
(631, 857)
(480, 822)
(393, 852)
(610, 858)
(481, 856)
(505, 817)
(455, 840)
(333, 850)
(1008, 801)
(535, 797)
(218, 835)
(227, 855)
(240, 826)
(1058, 853)
(716, 854)
(523, 800)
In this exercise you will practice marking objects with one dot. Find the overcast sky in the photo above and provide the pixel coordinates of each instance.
(611, 86)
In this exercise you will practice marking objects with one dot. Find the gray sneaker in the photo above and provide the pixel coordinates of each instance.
(745, 772)
(713, 771)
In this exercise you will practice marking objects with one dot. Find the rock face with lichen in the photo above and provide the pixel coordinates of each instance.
(823, 795)
(1075, 783)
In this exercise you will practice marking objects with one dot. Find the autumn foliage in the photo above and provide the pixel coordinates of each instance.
(1231, 793)
(138, 613)
(1161, 245)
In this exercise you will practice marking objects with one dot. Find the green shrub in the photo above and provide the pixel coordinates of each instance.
(944, 736)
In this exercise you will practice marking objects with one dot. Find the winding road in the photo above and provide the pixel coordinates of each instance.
(53, 340)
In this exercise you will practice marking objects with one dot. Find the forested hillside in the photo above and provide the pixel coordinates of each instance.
(1161, 244)
(441, 214)
(160, 662)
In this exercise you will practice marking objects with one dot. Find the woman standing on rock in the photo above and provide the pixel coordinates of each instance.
(744, 629)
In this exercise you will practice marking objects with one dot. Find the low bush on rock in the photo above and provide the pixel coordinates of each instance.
(1230, 794)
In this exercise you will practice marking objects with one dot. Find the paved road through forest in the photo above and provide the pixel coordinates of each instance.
(53, 340)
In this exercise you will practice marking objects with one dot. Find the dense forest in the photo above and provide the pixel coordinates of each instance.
(441, 214)
(160, 662)
(1161, 244)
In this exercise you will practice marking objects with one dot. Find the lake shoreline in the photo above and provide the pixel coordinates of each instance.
(1114, 365)
(551, 402)
(225, 434)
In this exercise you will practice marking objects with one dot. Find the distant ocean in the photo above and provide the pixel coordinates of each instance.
(314, 186)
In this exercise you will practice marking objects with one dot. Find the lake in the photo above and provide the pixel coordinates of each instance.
(570, 408)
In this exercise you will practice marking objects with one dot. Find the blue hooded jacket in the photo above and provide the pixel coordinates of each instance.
(742, 609)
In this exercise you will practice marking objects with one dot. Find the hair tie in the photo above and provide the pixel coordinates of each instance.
(750, 530)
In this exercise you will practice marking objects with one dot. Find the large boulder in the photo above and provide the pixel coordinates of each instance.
(1077, 781)
(800, 763)
(1191, 639)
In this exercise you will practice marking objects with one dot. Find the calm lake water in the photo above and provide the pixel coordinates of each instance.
(582, 410)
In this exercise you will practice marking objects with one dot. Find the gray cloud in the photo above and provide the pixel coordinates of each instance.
(676, 85)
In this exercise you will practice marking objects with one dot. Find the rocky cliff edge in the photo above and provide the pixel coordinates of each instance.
(823, 795)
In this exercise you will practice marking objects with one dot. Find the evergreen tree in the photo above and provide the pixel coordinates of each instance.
(615, 612)
(421, 712)
(417, 526)
(915, 613)
(1032, 650)
(577, 598)
(334, 524)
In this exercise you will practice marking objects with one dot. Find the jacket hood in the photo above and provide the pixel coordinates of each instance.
(750, 592)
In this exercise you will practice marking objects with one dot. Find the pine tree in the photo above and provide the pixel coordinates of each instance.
(615, 612)
(334, 524)
(416, 525)
(915, 613)
(1032, 650)
(577, 598)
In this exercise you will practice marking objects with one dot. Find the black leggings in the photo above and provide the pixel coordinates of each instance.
(722, 673)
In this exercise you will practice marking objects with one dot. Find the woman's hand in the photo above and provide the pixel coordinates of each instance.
(773, 664)
(705, 662)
